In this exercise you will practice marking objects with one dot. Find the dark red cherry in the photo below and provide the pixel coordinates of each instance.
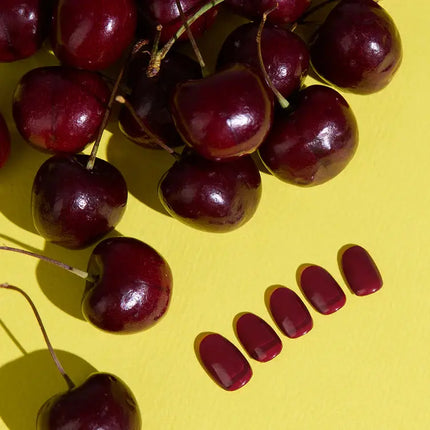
(225, 115)
(73, 206)
(285, 55)
(103, 401)
(59, 109)
(130, 288)
(210, 195)
(150, 99)
(4, 141)
(23, 27)
(92, 34)
(358, 47)
(313, 140)
(287, 12)
(166, 13)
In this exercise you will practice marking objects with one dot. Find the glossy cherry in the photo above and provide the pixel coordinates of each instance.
(209, 195)
(313, 140)
(166, 13)
(4, 141)
(285, 55)
(129, 286)
(92, 34)
(74, 206)
(150, 99)
(59, 109)
(102, 401)
(287, 11)
(23, 27)
(358, 47)
(225, 115)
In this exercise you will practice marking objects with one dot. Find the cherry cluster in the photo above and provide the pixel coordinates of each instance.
(229, 368)
(253, 106)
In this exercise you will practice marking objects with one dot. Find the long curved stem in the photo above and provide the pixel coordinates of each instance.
(57, 362)
(77, 272)
(154, 64)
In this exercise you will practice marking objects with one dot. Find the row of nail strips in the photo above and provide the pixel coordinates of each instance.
(228, 366)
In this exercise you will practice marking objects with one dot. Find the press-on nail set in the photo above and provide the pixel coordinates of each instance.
(228, 366)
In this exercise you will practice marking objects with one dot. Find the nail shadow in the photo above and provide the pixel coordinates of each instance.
(31, 380)
(267, 294)
(197, 342)
(340, 253)
(234, 323)
(142, 168)
(299, 272)
(62, 288)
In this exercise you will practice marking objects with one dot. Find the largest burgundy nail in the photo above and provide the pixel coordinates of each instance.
(360, 271)
(321, 289)
(290, 313)
(224, 362)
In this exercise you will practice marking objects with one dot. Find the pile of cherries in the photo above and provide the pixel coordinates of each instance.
(253, 105)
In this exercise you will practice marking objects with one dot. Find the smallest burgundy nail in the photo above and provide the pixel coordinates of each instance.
(321, 289)
(224, 362)
(360, 271)
(257, 337)
(290, 313)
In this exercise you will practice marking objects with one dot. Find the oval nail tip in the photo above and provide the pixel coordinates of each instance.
(268, 353)
(360, 271)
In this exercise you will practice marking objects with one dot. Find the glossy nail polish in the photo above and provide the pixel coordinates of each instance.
(360, 271)
(224, 362)
(257, 337)
(321, 289)
(290, 313)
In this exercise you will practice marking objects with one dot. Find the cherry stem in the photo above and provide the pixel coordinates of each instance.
(92, 159)
(157, 140)
(192, 39)
(281, 99)
(154, 63)
(59, 366)
(78, 272)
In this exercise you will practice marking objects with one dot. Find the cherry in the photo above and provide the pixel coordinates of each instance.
(167, 14)
(129, 286)
(59, 109)
(313, 140)
(102, 401)
(23, 27)
(150, 99)
(92, 34)
(74, 206)
(209, 195)
(225, 115)
(4, 141)
(358, 47)
(285, 55)
(287, 11)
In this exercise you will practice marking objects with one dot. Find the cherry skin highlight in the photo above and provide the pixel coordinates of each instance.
(94, 34)
(59, 109)
(150, 99)
(4, 141)
(225, 115)
(23, 27)
(288, 11)
(209, 195)
(166, 14)
(285, 55)
(103, 401)
(358, 47)
(73, 206)
(313, 140)
(130, 288)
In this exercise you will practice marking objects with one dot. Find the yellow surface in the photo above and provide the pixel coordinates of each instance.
(364, 368)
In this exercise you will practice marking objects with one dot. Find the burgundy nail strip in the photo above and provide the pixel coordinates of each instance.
(257, 337)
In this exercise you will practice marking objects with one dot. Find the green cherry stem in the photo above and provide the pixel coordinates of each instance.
(57, 362)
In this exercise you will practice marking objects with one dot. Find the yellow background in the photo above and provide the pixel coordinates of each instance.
(364, 367)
